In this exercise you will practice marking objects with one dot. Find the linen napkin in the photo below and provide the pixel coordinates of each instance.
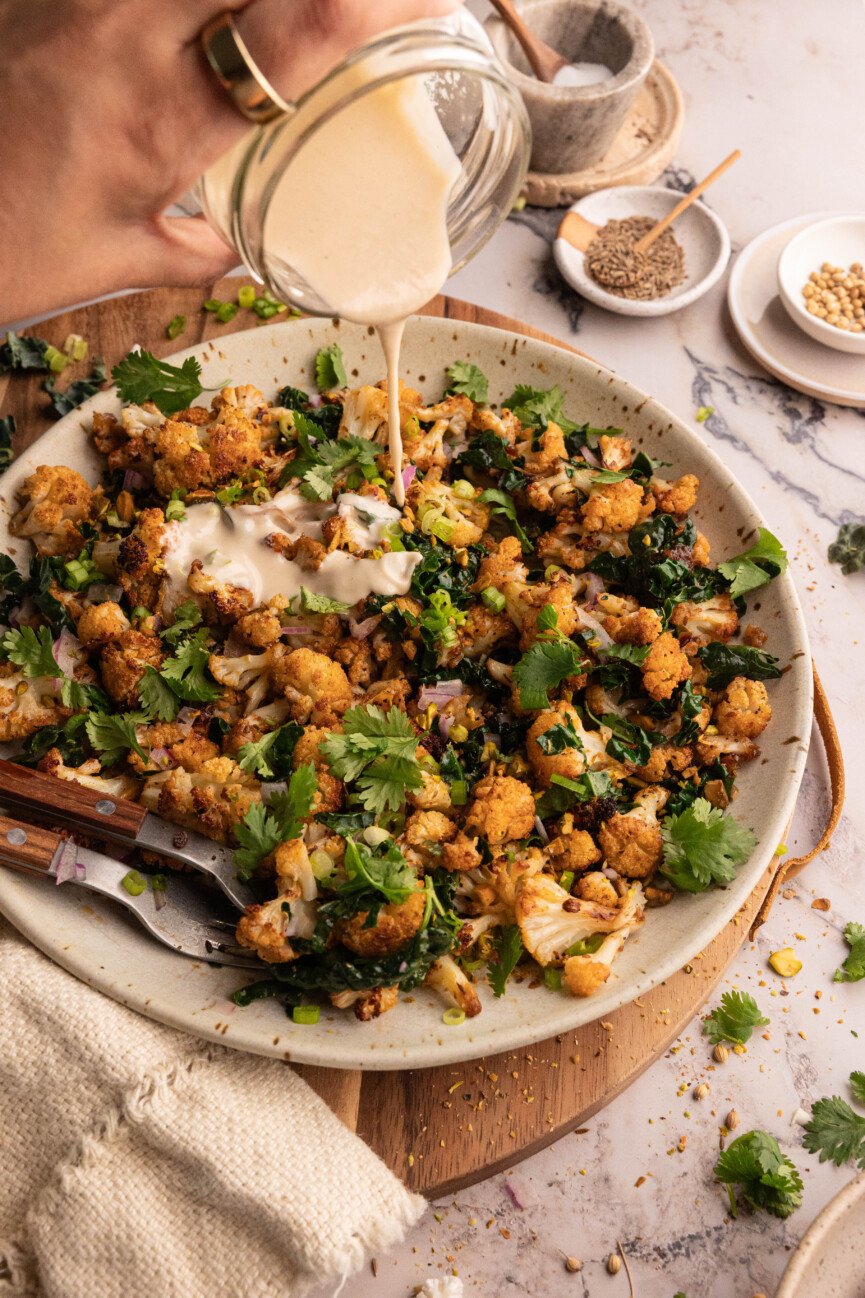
(138, 1162)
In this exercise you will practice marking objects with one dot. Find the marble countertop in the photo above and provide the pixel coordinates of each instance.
(778, 82)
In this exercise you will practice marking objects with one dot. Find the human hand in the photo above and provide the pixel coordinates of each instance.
(110, 113)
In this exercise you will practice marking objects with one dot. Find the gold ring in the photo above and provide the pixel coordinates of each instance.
(238, 73)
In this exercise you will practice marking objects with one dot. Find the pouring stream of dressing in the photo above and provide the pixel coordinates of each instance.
(361, 213)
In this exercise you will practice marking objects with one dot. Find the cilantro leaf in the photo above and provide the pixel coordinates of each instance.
(853, 968)
(848, 548)
(503, 506)
(765, 560)
(766, 1177)
(734, 1019)
(141, 377)
(32, 651)
(330, 368)
(542, 668)
(184, 673)
(319, 464)
(80, 697)
(508, 948)
(112, 735)
(266, 825)
(468, 381)
(559, 738)
(310, 602)
(537, 408)
(187, 616)
(835, 1132)
(7, 432)
(377, 751)
(384, 870)
(629, 743)
(270, 756)
(724, 661)
(703, 845)
(62, 403)
(857, 1086)
(156, 696)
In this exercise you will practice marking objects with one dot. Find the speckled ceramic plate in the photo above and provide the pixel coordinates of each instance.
(831, 1258)
(769, 334)
(96, 942)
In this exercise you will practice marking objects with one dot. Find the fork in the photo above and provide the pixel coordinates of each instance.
(77, 807)
(185, 921)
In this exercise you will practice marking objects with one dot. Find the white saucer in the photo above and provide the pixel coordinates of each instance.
(770, 335)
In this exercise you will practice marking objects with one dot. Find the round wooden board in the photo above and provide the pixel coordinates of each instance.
(444, 1128)
(638, 154)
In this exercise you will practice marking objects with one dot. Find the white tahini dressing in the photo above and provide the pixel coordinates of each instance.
(231, 547)
(361, 213)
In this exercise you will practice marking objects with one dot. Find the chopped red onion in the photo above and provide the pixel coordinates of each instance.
(540, 831)
(445, 723)
(594, 588)
(186, 716)
(316, 400)
(589, 621)
(441, 692)
(160, 756)
(69, 869)
(591, 457)
(360, 630)
(514, 1193)
(68, 651)
(102, 591)
(159, 898)
(408, 474)
(132, 480)
(293, 630)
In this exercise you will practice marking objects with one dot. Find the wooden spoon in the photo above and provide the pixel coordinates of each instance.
(579, 232)
(544, 61)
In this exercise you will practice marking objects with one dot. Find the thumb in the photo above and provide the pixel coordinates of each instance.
(183, 251)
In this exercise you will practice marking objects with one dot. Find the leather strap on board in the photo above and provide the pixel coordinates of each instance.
(832, 746)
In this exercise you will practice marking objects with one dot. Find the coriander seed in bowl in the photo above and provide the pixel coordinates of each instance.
(821, 281)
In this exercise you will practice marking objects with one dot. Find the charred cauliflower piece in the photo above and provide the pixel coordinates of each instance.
(575, 851)
(677, 498)
(317, 689)
(88, 774)
(211, 800)
(502, 809)
(714, 619)
(744, 712)
(101, 624)
(551, 920)
(27, 704)
(453, 985)
(139, 560)
(53, 503)
(632, 842)
(589, 749)
(665, 667)
(394, 928)
(442, 513)
(123, 662)
(584, 974)
(615, 507)
(628, 623)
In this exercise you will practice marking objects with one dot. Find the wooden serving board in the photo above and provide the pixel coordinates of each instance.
(439, 1129)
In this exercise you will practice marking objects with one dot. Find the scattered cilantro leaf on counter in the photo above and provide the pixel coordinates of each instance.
(857, 1086)
(703, 845)
(7, 432)
(310, 602)
(18, 353)
(853, 968)
(32, 651)
(542, 668)
(184, 672)
(835, 1131)
(724, 661)
(503, 506)
(141, 377)
(734, 1019)
(270, 757)
(330, 368)
(508, 948)
(848, 548)
(383, 870)
(266, 825)
(376, 751)
(112, 735)
(469, 381)
(537, 408)
(767, 1178)
(79, 390)
(765, 560)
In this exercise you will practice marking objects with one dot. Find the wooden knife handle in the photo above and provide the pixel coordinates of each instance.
(29, 849)
(23, 789)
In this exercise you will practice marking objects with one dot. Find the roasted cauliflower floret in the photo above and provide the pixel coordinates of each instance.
(27, 704)
(433, 795)
(183, 747)
(367, 1005)
(615, 507)
(584, 974)
(677, 498)
(575, 851)
(442, 513)
(503, 566)
(248, 672)
(632, 842)
(665, 667)
(139, 559)
(453, 985)
(54, 502)
(595, 886)
(364, 414)
(617, 452)
(394, 928)
(88, 774)
(212, 800)
(330, 793)
(100, 624)
(124, 661)
(525, 603)
(263, 626)
(628, 623)
(551, 920)
(426, 832)
(723, 748)
(587, 750)
(181, 460)
(317, 689)
(546, 453)
(502, 809)
(461, 854)
(744, 712)
(714, 619)
(234, 442)
(229, 601)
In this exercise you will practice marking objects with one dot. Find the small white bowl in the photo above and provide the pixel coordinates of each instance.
(701, 233)
(839, 240)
